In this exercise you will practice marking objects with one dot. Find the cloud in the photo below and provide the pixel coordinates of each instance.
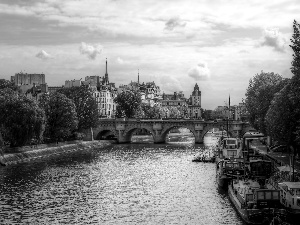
(90, 50)
(43, 55)
(273, 38)
(174, 22)
(122, 61)
(200, 71)
(167, 84)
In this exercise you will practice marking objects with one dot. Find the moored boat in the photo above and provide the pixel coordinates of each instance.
(230, 163)
(253, 200)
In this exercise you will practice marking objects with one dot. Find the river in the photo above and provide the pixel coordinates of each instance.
(121, 184)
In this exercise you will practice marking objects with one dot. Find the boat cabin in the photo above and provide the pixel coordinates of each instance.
(260, 169)
(252, 195)
(290, 194)
(232, 168)
(230, 148)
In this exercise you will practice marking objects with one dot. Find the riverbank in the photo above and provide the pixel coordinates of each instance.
(30, 154)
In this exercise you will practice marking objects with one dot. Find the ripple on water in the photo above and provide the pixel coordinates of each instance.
(122, 184)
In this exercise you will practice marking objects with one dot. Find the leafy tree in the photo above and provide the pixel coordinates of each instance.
(8, 84)
(21, 119)
(128, 104)
(260, 92)
(60, 114)
(283, 117)
(86, 106)
(280, 118)
(153, 112)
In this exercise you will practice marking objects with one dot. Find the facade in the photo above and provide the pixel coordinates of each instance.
(27, 81)
(176, 99)
(107, 105)
(36, 91)
(195, 103)
(73, 83)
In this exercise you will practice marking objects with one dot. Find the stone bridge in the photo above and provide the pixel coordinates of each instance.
(123, 129)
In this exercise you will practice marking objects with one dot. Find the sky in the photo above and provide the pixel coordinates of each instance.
(218, 44)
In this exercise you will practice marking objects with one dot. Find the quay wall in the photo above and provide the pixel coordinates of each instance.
(38, 153)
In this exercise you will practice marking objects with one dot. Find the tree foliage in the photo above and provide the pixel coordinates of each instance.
(86, 106)
(21, 119)
(280, 118)
(61, 116)
(283, 117)
(129, 104)
(260, 92)
(4, 84)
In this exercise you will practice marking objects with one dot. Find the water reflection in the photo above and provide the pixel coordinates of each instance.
(122, 184)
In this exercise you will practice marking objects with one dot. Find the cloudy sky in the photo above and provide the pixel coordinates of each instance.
(219, 44)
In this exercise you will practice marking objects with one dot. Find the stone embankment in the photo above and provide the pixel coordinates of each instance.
(25, 155)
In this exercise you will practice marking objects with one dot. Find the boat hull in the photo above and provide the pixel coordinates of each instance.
(223, 181)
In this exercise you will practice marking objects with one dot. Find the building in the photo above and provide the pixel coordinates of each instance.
(36, 91)
(107, 105)
(73, 83)
(176, 99)
(26, 81)
(150, 92)
(194, 107)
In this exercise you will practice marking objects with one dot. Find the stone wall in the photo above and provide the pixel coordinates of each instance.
(30, 155)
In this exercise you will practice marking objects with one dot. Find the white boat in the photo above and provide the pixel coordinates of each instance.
(230, 162)
(229, 148)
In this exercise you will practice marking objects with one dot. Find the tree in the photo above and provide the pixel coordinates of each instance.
(21, 119)
(8, 84)
(86, 106)
(260, 92)
(280, 118)
(152, 112)
(128, 104)
(61, 116)
(283, 117)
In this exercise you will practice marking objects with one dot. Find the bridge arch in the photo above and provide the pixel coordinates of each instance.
(167, 129)
(105, 134)
(129, 133)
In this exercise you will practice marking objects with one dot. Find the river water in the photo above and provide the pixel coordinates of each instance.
(121, 184)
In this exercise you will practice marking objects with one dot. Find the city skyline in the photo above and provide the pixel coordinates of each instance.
(217, 45)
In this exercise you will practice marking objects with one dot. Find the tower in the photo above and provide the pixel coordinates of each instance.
(195, 100)
(138, 76)
(106, 81)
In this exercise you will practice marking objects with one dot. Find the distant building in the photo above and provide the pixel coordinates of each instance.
(150, 92)
(195, 103)
(36, 91)
(26, 81)
(73, 83)
(176, 99)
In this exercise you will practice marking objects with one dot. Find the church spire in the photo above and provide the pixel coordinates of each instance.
(138, 76)
(106, 67)
(106, 74)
